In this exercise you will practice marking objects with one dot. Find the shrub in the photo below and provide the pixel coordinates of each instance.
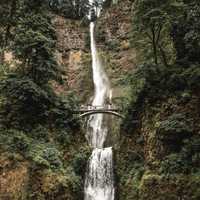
(192, 76)
(186, 161)
(48, 157)
(174, 163)
(21, 142)
(26, 102)
(64, 137)
(191, 152)
(52, 155)
(40, 132)
(175, 128)
(79, 162)
(75, 183)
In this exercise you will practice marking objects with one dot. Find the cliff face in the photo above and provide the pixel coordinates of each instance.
(113, 35)
(73, 55)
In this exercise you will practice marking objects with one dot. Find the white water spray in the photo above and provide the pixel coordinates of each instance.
(99, 183)
(97, 133)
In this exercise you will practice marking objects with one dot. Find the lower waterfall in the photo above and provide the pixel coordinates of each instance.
(99, 181)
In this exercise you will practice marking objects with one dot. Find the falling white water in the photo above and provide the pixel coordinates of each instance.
(97, 132)
(99, 183)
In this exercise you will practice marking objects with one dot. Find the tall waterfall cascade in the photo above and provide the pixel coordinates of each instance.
(99, 179)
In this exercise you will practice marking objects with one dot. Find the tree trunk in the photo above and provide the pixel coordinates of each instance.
(2, 57)
(164, 58)
(154, 46)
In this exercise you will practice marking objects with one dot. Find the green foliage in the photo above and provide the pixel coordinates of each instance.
(40, 132)
(34, 45)
(112, 45)
(80, 160)
(45, 156)
(63, 137)
(26, 102)
(21, 142)
(61, 112)
(174, 129)
(192, 76)
(158, 25)
(69, 8)
(41, 154)
(27, 105)
(8, 10)
(4, 70)
(185, 33)
(15, 141)
(151, 21)
(152, 83)
(28, 98)
(186, 161)
(130, 176)
(173, 164)
(191, 152)
(74, 182)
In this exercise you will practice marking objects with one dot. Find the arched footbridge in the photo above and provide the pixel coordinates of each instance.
(86, 111)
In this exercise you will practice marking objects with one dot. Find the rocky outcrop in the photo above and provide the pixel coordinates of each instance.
(73, 55)
(114, 33)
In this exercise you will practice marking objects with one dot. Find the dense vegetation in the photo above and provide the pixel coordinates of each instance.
(165, 100)
(39, 138)
(37, 125)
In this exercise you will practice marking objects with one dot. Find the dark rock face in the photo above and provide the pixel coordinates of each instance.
(73, 55)
(70, 34)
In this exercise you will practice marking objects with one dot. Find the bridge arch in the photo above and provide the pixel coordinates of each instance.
(101, 112)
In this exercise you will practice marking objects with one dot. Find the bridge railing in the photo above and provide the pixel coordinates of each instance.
(104, 107)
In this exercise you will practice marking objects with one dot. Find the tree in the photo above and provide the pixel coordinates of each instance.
(185, 33)
(29, 98)
(8, 11)
(152, 21)
(73, 9)
(34, 43)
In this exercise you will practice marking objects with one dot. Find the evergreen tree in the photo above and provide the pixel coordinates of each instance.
(186, 33)
(73, 9)
(29, 97)
(34, 43)
(8, 12)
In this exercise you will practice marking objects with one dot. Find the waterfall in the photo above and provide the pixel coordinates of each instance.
(99, 180)
(99, 183)
(97, 133)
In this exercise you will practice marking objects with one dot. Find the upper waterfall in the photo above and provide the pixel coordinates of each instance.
(99, 181)
(96, 131)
